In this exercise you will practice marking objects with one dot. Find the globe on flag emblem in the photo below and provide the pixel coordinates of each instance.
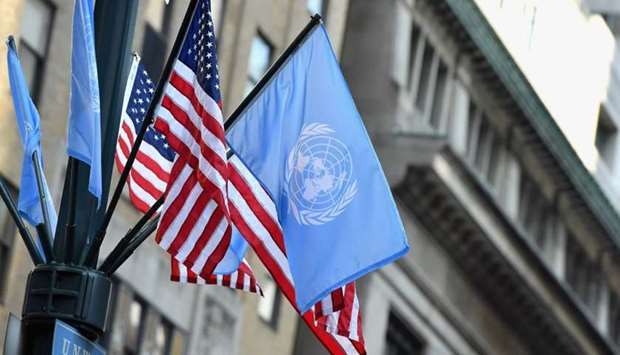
(320, 176)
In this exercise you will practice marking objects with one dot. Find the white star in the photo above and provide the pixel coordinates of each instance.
(208, 65)
(166, 145)
(209, 44)
(142, 110)
(210, 34)
(148, 81)
(208, 76)
(209, 55)
(141, 101)
(151, 90)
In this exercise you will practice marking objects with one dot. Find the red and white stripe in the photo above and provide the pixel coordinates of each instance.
(254, 215)
(193, 124)
(150, 171)
(330, 304)
(243, 279)
(193, 226)
(346, 322)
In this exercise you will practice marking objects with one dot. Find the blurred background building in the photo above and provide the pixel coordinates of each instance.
(496, 123)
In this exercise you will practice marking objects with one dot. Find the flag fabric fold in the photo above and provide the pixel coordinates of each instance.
(151, 170)
(304, 140)
(195, 224)
(255, 215)
(84, 131)
(242, 279)
(28, 122)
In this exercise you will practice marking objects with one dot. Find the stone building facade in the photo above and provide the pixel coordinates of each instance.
(494, 121)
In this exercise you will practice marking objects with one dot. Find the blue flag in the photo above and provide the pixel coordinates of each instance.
(304, 140)
(29, 131)
(234, 254)
(84, 136)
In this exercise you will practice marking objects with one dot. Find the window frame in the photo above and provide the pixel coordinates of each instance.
(41, 58)
(250, 81)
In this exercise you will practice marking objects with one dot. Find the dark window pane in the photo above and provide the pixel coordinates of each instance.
(425, 75)
(439, 96)
(400, 340)
(153, 51)
(413, 51)
(260, 57)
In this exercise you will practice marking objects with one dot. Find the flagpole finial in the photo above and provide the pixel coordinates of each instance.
(10, 41)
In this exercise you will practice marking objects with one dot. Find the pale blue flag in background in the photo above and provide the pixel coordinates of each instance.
(29, 131)
(84, 136)
(234, 254)
(304, 140)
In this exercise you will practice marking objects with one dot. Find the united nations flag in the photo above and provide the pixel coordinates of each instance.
(304, 140)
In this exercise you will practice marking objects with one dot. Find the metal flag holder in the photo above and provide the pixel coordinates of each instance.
(66, 283)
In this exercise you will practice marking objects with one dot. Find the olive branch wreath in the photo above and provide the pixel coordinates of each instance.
(310, 217)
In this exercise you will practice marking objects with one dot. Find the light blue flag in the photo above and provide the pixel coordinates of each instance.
(84, 136)
(234, 255)
(304, 140)
(27, 116)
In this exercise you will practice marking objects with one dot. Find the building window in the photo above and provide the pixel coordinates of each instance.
(537, 219)
(400, 340)
(260, 58)
(583, 276)
(614, 318)
(163, 338)
(425, 77)
(7, 234)
(154, 51)
(485, 150)
(317, 7)
(269, 304)
(34, 42)
(415, 41)
(428, 80)
(606, 138)
(218, 328)
(135, 330)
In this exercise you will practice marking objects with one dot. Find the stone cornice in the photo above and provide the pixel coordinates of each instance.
(538, 116)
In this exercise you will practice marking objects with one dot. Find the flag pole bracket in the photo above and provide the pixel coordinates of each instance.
(76, 295)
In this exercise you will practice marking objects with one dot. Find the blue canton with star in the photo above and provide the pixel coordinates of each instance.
(138, 104)
(199, 50)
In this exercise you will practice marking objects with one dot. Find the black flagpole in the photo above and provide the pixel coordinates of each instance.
(46, 233)
(135, 236)
(111, 258)
(91, 251)
(138, 239)
(37, 258)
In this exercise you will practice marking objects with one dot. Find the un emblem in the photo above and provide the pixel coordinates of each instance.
(319, 176)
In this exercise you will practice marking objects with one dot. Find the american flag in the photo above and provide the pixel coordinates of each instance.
(254, 214)
(243, 279)
(151, 170)
(194, 226)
